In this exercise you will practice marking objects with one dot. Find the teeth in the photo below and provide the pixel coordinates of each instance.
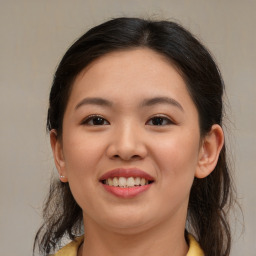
(109, 182)
(115, 182)
(126, 182)
(122, 182)
(130, 182)
(137, 181)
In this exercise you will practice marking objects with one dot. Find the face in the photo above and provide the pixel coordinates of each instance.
(131, 143)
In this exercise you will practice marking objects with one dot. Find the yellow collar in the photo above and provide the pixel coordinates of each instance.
(194, 247)
(71, 248)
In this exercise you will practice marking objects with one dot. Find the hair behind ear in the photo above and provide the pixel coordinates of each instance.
(210, 199)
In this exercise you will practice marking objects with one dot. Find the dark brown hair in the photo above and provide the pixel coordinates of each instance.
(210, 197)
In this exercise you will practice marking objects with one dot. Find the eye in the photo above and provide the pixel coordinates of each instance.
(95, 120)
(159, 121)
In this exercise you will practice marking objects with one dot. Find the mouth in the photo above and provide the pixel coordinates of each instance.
(126, 183)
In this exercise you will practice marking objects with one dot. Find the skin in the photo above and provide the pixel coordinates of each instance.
(172, 152)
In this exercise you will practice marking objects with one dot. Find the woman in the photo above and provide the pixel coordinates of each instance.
(135, 120)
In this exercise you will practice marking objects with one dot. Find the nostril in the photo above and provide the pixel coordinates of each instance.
(127, 158)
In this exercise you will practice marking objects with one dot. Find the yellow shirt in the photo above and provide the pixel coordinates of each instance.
(71, 248)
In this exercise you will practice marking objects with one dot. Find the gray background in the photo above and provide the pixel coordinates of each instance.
(34, 36)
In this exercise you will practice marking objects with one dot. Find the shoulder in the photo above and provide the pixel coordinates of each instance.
(194, 247)
(71, 248)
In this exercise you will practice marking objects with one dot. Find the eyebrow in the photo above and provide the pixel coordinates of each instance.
(94, 101)
(145, 103)
(162, 100)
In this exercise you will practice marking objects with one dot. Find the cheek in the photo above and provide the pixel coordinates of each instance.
(177, 159)
(178, 151)
(82, 155)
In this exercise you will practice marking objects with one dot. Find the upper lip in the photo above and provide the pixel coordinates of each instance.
(126, 172)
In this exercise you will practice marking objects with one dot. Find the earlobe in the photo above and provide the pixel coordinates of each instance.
(58, 155)
(209, 152)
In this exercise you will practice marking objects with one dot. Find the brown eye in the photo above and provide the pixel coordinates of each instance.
(159, 121)
(95, 121)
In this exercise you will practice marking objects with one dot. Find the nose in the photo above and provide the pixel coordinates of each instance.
(127, 144)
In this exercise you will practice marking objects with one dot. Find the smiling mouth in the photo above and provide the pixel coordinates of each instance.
(126, 182)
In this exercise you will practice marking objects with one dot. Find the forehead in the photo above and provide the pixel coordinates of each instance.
(129, 65)
(126, 74)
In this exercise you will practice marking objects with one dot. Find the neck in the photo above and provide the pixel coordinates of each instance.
(161, 240)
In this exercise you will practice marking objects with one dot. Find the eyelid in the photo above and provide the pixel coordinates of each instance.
(90, 117)
(164, 117)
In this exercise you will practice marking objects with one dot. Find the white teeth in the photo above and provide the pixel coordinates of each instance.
(137, 181)
(109, 182)
(130, 182)
(122, 182)
(115, 182)
(126, 182)
(142, 182)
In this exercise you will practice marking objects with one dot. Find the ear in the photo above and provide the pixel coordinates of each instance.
(209, 153)
(58, 155)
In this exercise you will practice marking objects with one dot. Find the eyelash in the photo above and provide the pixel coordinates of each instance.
(92, 118)
(162, 118)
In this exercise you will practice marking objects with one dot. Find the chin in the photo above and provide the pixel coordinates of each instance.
(129, 228)
(130, 224)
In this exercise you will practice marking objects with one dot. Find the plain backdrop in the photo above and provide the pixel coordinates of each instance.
(34, 36)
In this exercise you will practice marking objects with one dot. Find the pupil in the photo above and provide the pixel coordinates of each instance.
(97, 121)
(158, 121)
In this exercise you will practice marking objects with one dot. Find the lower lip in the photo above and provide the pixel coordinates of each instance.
(126, 192)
